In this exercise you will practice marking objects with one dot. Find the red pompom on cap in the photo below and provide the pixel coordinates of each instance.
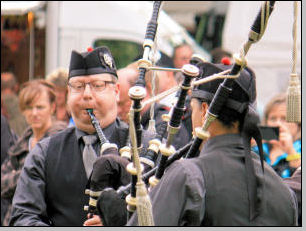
(89, 49)
(226, 61)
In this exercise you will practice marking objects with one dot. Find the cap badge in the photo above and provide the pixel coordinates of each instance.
(108, 60)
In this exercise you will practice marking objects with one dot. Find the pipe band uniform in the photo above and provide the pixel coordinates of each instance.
(214, 180)
(122, 191)
(54, 174)
(242, 174)
(212, 189)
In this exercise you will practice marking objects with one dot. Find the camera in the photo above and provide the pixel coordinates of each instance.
(269, 133)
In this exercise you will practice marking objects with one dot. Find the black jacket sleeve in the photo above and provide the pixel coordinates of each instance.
(178, 199)
(29, 205)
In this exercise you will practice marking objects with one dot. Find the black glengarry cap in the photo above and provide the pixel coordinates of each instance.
(243, 90)
(97, 61)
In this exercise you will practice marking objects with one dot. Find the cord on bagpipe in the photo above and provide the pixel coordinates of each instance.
(181, 153)
(153, 150)
(142, 202)
(137, 93)
(175, 115)
(294, 89)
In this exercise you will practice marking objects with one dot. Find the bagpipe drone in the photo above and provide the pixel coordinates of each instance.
(133, 197)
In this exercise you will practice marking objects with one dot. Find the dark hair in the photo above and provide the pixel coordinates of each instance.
(228, 116)
(243, 93)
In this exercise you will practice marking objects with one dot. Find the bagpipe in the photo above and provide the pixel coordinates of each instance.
(146, 171)
(105, 168)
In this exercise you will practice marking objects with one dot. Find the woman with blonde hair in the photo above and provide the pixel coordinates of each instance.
(37, 103)
(284, 154)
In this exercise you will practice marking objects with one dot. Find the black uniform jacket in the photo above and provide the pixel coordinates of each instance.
(211, 190)
(51, 189)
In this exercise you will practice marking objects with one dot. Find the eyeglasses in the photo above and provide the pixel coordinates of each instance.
(96, 86)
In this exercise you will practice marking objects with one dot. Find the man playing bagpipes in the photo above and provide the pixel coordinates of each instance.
(221, 187)
(225, 184)
(222, 183)
(51, 189)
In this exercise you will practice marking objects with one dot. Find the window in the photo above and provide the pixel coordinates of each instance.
(124, 52)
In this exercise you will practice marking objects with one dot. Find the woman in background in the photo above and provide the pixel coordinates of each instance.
(284, 155)
(37, 103)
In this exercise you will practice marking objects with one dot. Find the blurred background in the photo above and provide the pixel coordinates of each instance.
(38, 36)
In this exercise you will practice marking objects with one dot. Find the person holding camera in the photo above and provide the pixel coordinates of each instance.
(283, 154)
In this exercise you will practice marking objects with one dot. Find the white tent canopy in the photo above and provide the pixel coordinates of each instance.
(20, 7)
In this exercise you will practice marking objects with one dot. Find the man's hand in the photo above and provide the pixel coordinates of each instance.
(94, 221)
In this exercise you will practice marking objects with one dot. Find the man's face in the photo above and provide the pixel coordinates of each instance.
(103, 101)
(182, 56)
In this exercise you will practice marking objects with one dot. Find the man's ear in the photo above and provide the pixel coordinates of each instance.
(117, 91)
(204, 107)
